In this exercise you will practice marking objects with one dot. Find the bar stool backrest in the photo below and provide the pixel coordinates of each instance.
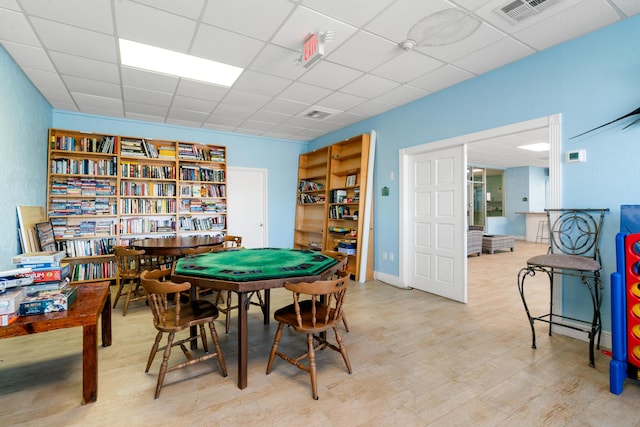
(575, 231)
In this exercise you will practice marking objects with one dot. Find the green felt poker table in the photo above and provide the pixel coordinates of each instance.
(245, 271)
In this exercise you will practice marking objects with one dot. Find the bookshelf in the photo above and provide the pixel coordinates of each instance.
(346, 206)
(82, 202)
(311, 206)
(331, 196)
(106, 190)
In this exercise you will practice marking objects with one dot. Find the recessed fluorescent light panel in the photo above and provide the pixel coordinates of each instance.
(145, 57)
(540, 146)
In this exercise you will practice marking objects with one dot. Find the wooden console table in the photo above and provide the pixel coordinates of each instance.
(93, 301)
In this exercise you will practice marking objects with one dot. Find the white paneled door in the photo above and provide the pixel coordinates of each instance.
(436, 260)
(247, 205)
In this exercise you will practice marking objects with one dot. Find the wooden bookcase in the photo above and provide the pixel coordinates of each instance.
(106, 190)
(311, 207)
(332, 189)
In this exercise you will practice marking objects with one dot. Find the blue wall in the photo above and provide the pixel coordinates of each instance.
(279, 157)
(25, 117)
(590, 80)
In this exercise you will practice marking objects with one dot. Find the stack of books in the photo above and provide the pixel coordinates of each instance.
(45, 288)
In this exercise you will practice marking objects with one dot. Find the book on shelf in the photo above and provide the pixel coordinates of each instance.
(44, 231)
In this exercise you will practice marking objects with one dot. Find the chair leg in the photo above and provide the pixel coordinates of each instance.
(127, 299)
(165, 364)
(154, 350)
(343, 350)
(119, 292)
(344, 322)
(216, 344)
(203, 335)
(312, 365)
(274, 348)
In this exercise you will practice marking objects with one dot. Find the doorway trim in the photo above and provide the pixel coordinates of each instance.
(554, 126)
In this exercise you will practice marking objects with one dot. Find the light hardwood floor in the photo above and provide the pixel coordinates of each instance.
(417, 360)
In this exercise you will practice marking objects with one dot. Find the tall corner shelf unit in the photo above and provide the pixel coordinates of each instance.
(107, 190)
(332, 195)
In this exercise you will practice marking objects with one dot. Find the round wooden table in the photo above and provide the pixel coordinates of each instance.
(173, 246)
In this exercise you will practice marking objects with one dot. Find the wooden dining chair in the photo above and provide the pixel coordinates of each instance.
(343, 259)
(171, 317)
(128, 275)
(190, 253)
(233, 242)
(321, 311)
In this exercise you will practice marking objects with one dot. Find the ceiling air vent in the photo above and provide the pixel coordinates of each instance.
(318, 113)
(519, 10)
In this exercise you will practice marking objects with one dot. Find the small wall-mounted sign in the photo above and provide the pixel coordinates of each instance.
(385, 191)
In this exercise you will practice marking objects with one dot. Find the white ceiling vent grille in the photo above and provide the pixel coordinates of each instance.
(318, 113)
(520, 10)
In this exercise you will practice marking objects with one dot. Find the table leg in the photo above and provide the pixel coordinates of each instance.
(267, 304)
(106, 322)
(242, 339)
(90, 363)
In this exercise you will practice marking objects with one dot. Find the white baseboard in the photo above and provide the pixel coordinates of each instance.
(389, 280)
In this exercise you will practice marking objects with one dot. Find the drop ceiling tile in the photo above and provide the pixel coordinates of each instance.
(256, 125)
(279, 61)
(85, 101)
(218, 127)
(629, 7)
(254, 18)
(303, 92)
(198, 90)
(402, 95)
(90, 15)
(92, 87)
(189, 9)
(149, 80)
(568, 24)
(154, 27)
(57, 98)
(329, 75)
(147, 109)
(144, 117)
(234, 111)
(269, 117)
(395, 22)
(102, 111)
(300, 121)
(243, 98)
(187, 115)
(369, 86)
(365, 51)
(9, 4)
(227, 47)
(44, 79)
(441, 78)
(29, 56)
(75, 41)
(341, 101)
(284, 106)
(60, 105)
(355, 12)
(84, 67)
(484, 36)
(224, 120)
(305, 21)
(496, 55)
(15, 28)
(372, 108)
(347, 118)
(193, 104)
(248, 131)
(183, 123)
(264, 84)
(406, 67)
(135, 94)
